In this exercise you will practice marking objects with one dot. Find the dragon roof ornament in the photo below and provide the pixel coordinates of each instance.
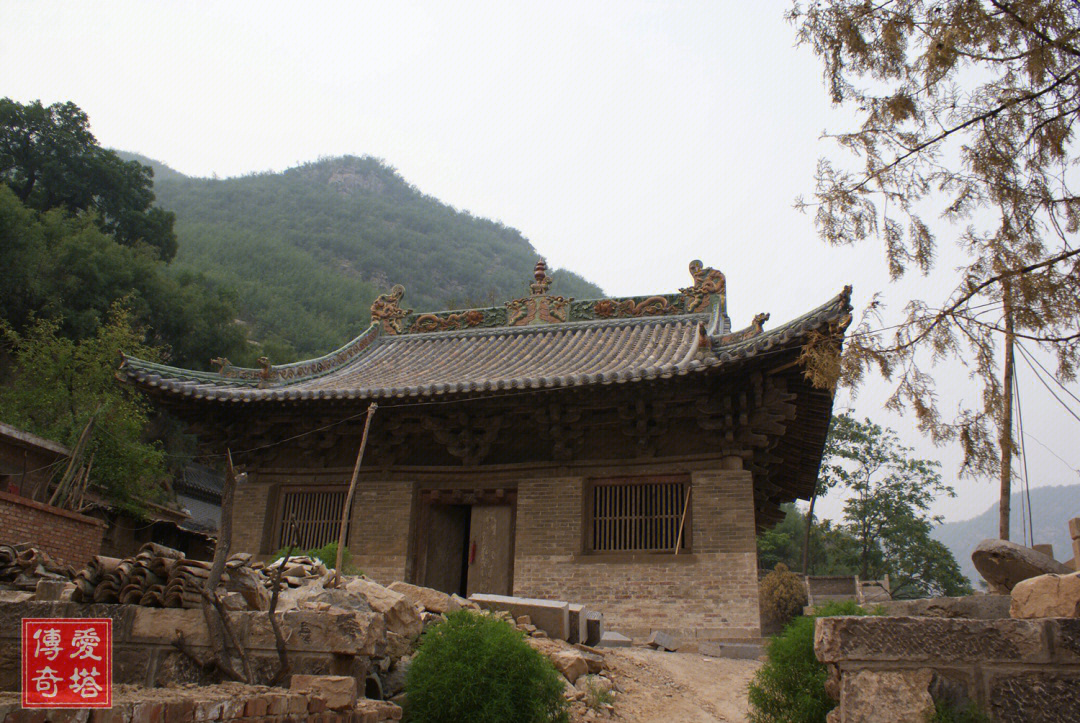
(386, 311)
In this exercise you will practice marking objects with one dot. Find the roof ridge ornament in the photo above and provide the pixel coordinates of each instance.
(540, 308)
(543, 281)
(708, 282)
(386, 312)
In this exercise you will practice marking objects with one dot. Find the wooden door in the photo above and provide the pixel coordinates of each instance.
(491, 550)
(445, 547)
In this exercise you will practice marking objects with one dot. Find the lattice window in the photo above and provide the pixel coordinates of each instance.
(317, 515)
(639, 514)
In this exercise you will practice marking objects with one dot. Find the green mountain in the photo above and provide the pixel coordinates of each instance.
(307, 250)
(1051, 510)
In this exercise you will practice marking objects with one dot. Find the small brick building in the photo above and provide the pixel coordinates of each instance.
(27, 462)
(616, 452)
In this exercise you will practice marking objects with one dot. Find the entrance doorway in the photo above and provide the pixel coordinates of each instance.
(466, 541)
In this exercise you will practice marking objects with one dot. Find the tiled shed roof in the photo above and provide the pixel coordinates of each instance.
(381, 364)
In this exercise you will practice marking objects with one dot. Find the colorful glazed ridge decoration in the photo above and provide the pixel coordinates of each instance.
(538, 341)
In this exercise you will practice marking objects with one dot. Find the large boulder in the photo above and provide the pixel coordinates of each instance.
(1047, 596)
(401, 614)
(571, 663)
(431, 600)
(1003, 564)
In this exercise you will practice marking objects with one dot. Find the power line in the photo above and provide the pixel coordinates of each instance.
(1030, 526)
(1052, 376)
(1035, 439)
(1024, 356)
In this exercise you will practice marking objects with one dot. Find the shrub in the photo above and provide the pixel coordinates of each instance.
(477, 668)
(595, 696)
(790, 686)
(783, 595)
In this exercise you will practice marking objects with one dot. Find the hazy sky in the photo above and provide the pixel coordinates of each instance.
(623, 139)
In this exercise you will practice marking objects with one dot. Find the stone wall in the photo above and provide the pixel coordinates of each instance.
(709, 592)
(1015, 670)
(319, 643)
(217, 703)
(67, 536)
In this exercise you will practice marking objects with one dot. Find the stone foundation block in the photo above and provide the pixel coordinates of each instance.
(551, 616)
(919, 640)
(1042, 697)
(579, 632)
(874, 696)
(594, 627)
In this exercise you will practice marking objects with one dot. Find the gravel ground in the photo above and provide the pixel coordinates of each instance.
(658, 687)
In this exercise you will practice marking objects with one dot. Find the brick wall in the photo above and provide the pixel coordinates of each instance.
(708, 593)
(251, 516)
(66, 536)
(379, 531)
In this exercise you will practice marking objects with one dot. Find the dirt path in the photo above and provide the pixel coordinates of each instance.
(656, 687)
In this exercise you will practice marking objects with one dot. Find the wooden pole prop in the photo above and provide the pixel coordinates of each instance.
(682, 523)
(346, 511)
(76, 457)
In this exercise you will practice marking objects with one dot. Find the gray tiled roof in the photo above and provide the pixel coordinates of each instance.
(379, 366)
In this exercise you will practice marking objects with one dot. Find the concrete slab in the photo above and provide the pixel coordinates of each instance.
(741, 651)
(551, 616)
(578, 627)
(611, 639)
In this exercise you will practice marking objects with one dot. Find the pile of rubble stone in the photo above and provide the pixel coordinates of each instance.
(163, 578)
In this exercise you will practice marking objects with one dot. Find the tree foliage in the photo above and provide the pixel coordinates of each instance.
(833, 550)
(307, 250)
(59, 383)
(50, 159)
(888, 510)
(967, 109)
(64, 267)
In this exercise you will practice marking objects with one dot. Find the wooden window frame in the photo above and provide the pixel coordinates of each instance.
(279, 514)
(588, 546)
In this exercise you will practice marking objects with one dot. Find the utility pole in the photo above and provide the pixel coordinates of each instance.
(1005, 427)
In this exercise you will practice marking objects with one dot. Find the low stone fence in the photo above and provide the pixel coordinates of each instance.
(894, 668)
(320, 643)
(65, 535)
(227, 702)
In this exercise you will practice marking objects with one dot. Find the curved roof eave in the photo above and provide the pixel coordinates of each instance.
(467, 362)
